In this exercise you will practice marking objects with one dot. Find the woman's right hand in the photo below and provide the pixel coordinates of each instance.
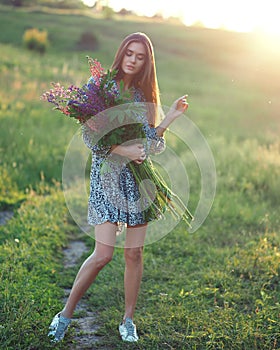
(135, 152)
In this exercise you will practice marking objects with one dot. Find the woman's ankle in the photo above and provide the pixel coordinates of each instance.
(66, 314)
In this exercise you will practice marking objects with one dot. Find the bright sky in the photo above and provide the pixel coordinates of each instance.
(239, 15)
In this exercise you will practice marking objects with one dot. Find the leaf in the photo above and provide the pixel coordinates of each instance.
(121, 86)
(105, 168)
(121, 117)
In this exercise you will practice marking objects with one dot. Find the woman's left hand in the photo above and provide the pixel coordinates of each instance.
(179, 106)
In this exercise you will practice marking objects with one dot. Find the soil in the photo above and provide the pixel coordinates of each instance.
(5, 216)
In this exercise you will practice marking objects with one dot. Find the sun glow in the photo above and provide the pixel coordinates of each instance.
(236, 15)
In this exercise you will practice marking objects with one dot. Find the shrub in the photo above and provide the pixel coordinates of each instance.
(10, 196)
(88, 41)
(36, 40)
(124, 12)
(108, 12)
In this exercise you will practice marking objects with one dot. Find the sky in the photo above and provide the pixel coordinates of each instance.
(238, 15)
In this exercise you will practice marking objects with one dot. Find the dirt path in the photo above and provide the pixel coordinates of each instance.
(85, 325)
(5, 216)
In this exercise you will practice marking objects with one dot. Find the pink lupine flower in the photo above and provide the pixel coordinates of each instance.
(96, 69)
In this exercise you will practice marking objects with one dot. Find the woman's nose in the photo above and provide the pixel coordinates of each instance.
(133, 58)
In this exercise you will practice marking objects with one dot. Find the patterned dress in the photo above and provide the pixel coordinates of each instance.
(114, 195)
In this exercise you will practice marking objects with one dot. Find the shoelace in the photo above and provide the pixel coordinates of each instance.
(61, 326)
(130, 328)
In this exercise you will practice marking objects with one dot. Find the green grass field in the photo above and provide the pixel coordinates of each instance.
(218, 288)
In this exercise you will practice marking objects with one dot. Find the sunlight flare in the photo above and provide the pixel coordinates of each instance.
(238, 15)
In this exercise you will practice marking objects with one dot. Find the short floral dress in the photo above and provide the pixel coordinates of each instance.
(114, 195)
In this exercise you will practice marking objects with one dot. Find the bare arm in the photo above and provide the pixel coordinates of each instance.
(178, 108)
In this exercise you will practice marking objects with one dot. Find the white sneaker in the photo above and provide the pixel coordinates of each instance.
(127, 331)
(58, 327)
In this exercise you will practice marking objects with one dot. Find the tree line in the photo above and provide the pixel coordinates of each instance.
(78, 4)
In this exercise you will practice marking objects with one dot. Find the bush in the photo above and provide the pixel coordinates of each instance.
(36, 40)
(125, 12)
(108, 12)
(88, 41)
(10, 196)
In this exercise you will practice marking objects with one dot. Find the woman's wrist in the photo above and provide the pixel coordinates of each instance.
(160, 131)
(119, 149)
(162, 127)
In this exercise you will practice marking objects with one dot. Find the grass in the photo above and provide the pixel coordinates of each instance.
(196, 297)
(215, 289)
(29, 270)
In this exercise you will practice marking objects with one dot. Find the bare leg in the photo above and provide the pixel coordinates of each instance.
(133, 253)
(105, 235)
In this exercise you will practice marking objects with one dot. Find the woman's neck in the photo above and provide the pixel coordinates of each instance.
(127, 81)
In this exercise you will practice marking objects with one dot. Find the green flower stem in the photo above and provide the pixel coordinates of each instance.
(164, 199)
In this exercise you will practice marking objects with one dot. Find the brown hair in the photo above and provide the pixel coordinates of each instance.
(146, 79)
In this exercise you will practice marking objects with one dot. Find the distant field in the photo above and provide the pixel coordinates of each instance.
(216, 289)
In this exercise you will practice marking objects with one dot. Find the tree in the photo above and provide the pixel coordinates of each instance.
(51, 3)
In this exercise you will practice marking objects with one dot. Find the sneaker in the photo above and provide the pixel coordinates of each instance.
(58, 327)
(127, 331)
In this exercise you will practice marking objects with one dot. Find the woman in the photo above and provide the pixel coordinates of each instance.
(135, 64)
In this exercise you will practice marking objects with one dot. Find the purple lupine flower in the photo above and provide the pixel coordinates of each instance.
(83, 103)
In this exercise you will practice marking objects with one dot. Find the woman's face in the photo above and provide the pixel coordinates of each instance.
(134, 58)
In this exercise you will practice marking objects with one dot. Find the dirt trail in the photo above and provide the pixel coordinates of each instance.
(85, 325)
(5, 216)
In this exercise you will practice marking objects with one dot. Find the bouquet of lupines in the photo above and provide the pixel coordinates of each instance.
(83, 103)
(91, 105)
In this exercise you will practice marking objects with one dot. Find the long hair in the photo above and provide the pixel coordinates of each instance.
(146, 79)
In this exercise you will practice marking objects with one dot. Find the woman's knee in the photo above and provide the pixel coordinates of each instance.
(102, 260)
(133, 255)
(102, 254)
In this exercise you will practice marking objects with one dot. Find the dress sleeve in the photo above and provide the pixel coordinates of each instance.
(155, 144)
(101, 151)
